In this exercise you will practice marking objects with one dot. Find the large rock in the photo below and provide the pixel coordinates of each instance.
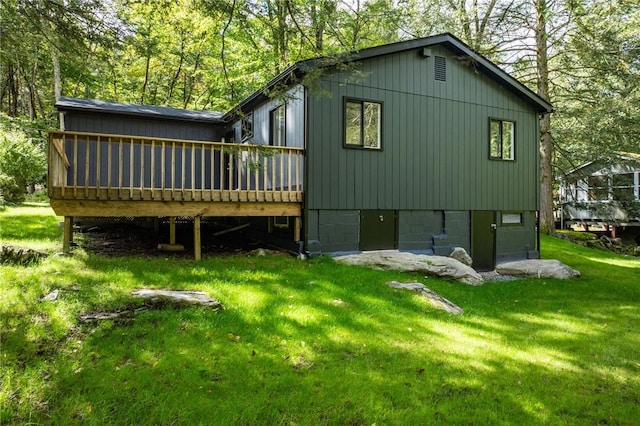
(461, 255)
(537, 268)
(439, 266)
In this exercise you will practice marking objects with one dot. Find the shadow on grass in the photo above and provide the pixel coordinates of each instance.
(320, 343)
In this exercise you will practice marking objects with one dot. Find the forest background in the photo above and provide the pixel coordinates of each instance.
(581, 55)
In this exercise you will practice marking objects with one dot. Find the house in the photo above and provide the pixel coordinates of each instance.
(420, 145)
(602, 195)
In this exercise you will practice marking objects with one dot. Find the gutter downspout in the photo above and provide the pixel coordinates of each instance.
(302, 245)
(538, 232)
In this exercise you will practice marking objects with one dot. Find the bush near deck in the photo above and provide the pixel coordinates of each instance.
(312, 342)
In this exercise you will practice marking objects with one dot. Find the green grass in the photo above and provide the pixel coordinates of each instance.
(313, 342)
(31, 224)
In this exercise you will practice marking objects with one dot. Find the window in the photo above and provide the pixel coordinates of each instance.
(509, 218)
(623, 187)
(362, 124)
(598, 187)
(246, 132)
(277, 122)
(502, 139)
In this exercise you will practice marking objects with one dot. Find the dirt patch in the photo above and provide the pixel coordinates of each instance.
(141, 239)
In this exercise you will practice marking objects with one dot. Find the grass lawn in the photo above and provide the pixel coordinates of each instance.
(312, 342)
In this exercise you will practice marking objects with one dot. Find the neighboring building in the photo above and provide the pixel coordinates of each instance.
(419, 145)
(601, 195)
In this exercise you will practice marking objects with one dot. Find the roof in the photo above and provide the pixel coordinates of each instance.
(75, 104)
(596, 165)
(447, 40)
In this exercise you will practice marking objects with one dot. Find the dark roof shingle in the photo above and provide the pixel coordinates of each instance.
(76, 104)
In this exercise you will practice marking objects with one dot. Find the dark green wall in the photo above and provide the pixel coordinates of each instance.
(515, 241)
(435, 140)
(160, 127)
(416, 229)
(330, 231)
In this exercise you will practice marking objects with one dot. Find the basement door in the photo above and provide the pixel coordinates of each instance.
(483, 240)
(378, 229)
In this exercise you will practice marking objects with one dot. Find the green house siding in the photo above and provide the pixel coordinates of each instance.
(435, 140)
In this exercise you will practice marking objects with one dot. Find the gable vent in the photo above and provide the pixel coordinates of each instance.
(440, 68)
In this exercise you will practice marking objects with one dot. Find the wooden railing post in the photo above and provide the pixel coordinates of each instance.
(58, 164)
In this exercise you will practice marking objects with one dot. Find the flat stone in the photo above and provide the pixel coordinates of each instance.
(158, 298)
(435, 299)
(493, 276)
(177, 297)
(437, 266)
(537, 268)
(51, 297)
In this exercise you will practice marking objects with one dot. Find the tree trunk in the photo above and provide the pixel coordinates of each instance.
(318, 21)
(13, 91)
(57, 80)
(176, 76)
(146, 77)
(547, 221)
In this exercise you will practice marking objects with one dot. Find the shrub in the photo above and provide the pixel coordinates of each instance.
(22, 162)
(39, 196)
(576, 236)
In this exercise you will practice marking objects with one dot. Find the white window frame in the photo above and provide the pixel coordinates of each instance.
(278, 126)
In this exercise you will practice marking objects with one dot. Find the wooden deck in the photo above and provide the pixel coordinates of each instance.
(117, 175)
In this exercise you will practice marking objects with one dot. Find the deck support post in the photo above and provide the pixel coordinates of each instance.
(296, 228)
(197, 249)
(270, 220)
(172, 230)
(67, 238)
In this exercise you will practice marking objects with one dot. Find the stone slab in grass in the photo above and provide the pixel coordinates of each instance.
(154, 298)
(438, 266)
(177, 297)
(434, 298)
(537, 268)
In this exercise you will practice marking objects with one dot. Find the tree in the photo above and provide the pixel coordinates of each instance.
(22, 160)
(600, 115)
(547, 219)
(38, 37)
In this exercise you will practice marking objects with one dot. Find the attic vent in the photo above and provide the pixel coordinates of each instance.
(440, 68)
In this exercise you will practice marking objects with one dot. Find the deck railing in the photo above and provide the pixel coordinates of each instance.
(88, 166)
